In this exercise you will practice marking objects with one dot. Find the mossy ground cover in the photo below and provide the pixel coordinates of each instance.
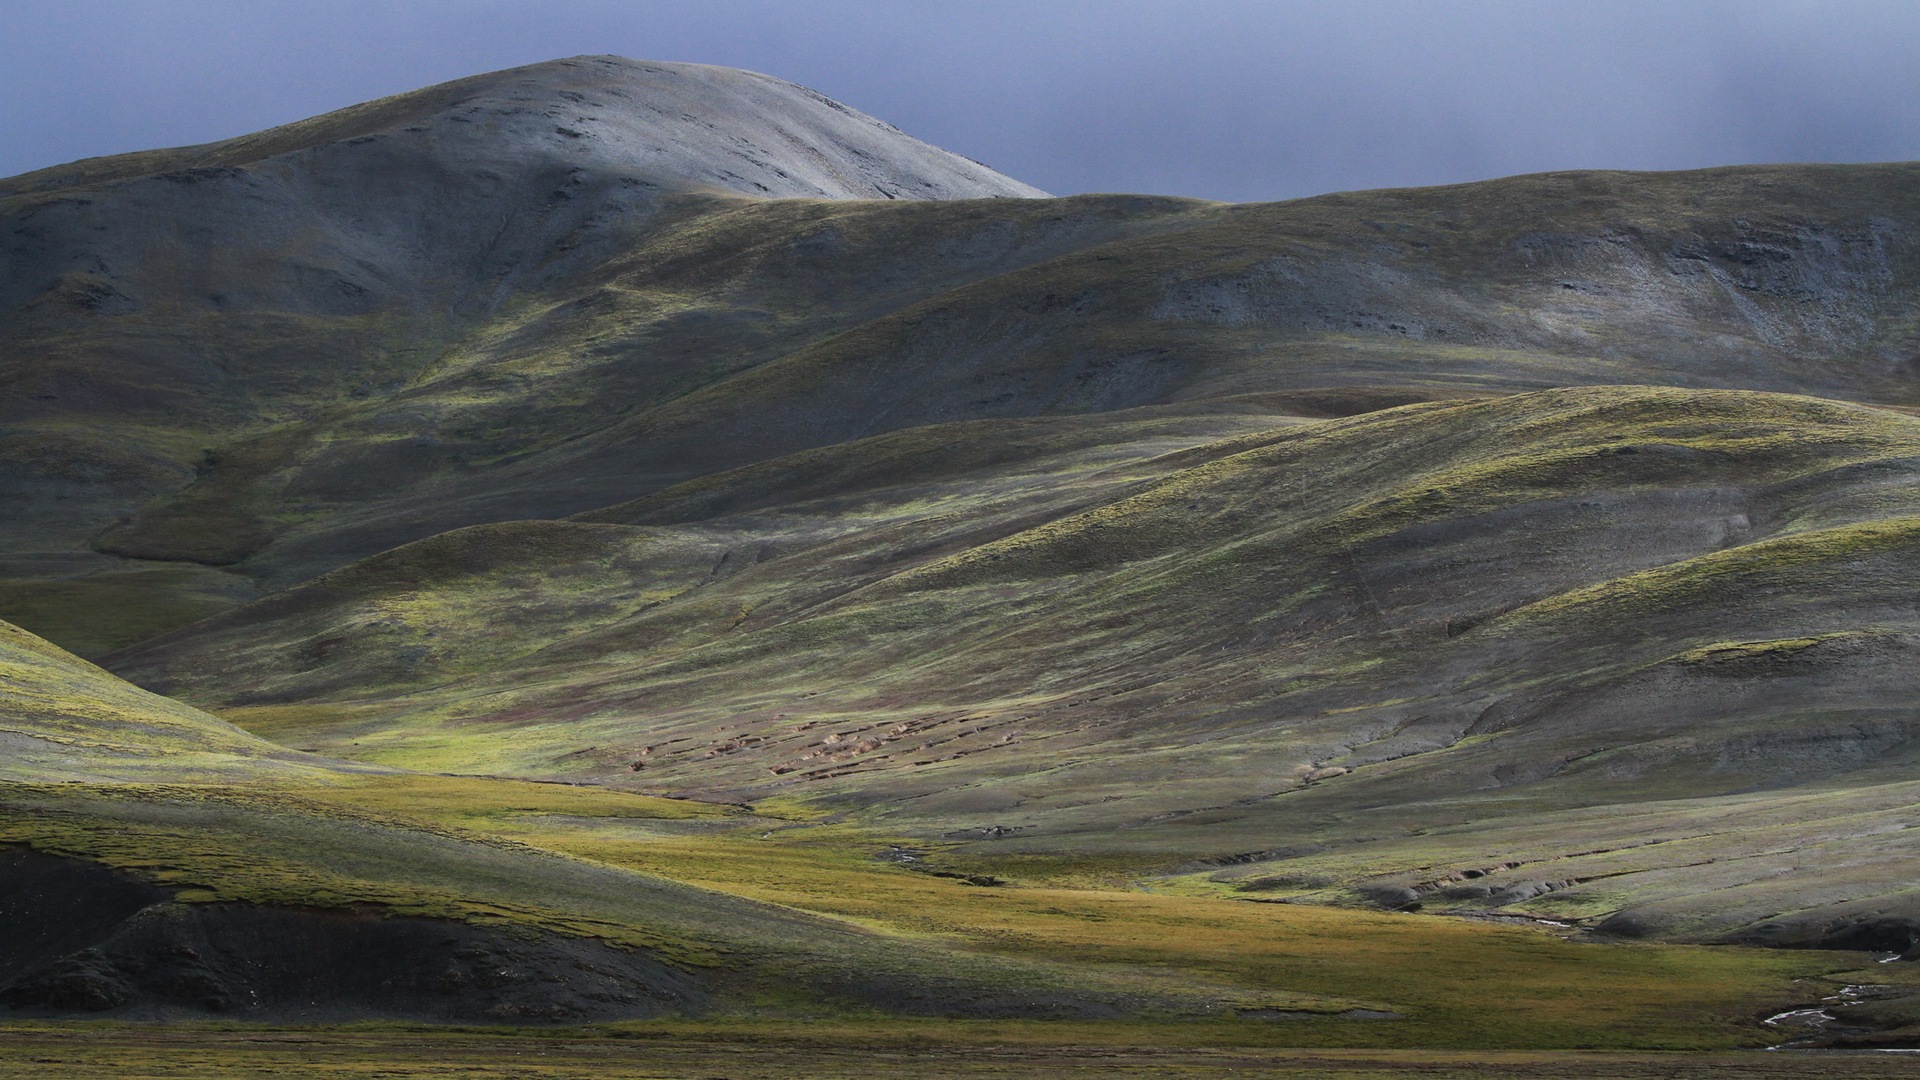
(259, 846)
(1455, 983)
(1440, 974)
(66, 720)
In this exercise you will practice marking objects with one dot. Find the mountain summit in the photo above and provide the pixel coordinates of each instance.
(660, 126)
(451, 197)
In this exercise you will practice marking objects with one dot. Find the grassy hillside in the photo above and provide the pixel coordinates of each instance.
(63, 720)
(714, 911)
(222, 831)
(1300, 637)
(602, 563)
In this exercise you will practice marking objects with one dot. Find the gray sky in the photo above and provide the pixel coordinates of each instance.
(1226, 100)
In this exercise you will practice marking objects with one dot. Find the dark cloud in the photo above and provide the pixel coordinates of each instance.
(1253, 100)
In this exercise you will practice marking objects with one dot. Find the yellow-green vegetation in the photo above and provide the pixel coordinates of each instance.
(1740, 853)
(866, 1051)
(780, 889)
(1440, 974)
(61, 719)
(1843, 549)
(1738, 652)
(261, 846)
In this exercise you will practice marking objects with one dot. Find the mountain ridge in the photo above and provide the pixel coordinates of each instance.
(1538, 549)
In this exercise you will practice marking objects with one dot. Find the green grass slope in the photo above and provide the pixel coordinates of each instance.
(65, 720)
(299, 889)
(759, 924)
(1300, 637)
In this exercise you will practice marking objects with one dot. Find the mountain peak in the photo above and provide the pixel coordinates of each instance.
(667, 127)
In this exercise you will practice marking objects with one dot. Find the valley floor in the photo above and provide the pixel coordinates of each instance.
(672, 1051)
(1277, 976)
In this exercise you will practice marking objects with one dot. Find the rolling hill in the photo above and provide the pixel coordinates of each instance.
(792, 492)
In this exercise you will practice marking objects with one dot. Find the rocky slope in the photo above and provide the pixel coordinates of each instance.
(285, 439)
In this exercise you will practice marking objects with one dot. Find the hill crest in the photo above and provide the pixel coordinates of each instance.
(663, 126)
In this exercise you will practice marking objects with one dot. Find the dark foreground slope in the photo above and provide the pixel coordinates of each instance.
(82, 939)
(1543, 546)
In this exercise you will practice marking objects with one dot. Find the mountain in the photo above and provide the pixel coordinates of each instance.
(158, 306)
(734, 464)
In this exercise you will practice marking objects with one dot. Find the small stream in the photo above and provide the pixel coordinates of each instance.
(1814, 1022)
(1815, 1019)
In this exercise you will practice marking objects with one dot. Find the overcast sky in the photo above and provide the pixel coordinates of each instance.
(1224, 100)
